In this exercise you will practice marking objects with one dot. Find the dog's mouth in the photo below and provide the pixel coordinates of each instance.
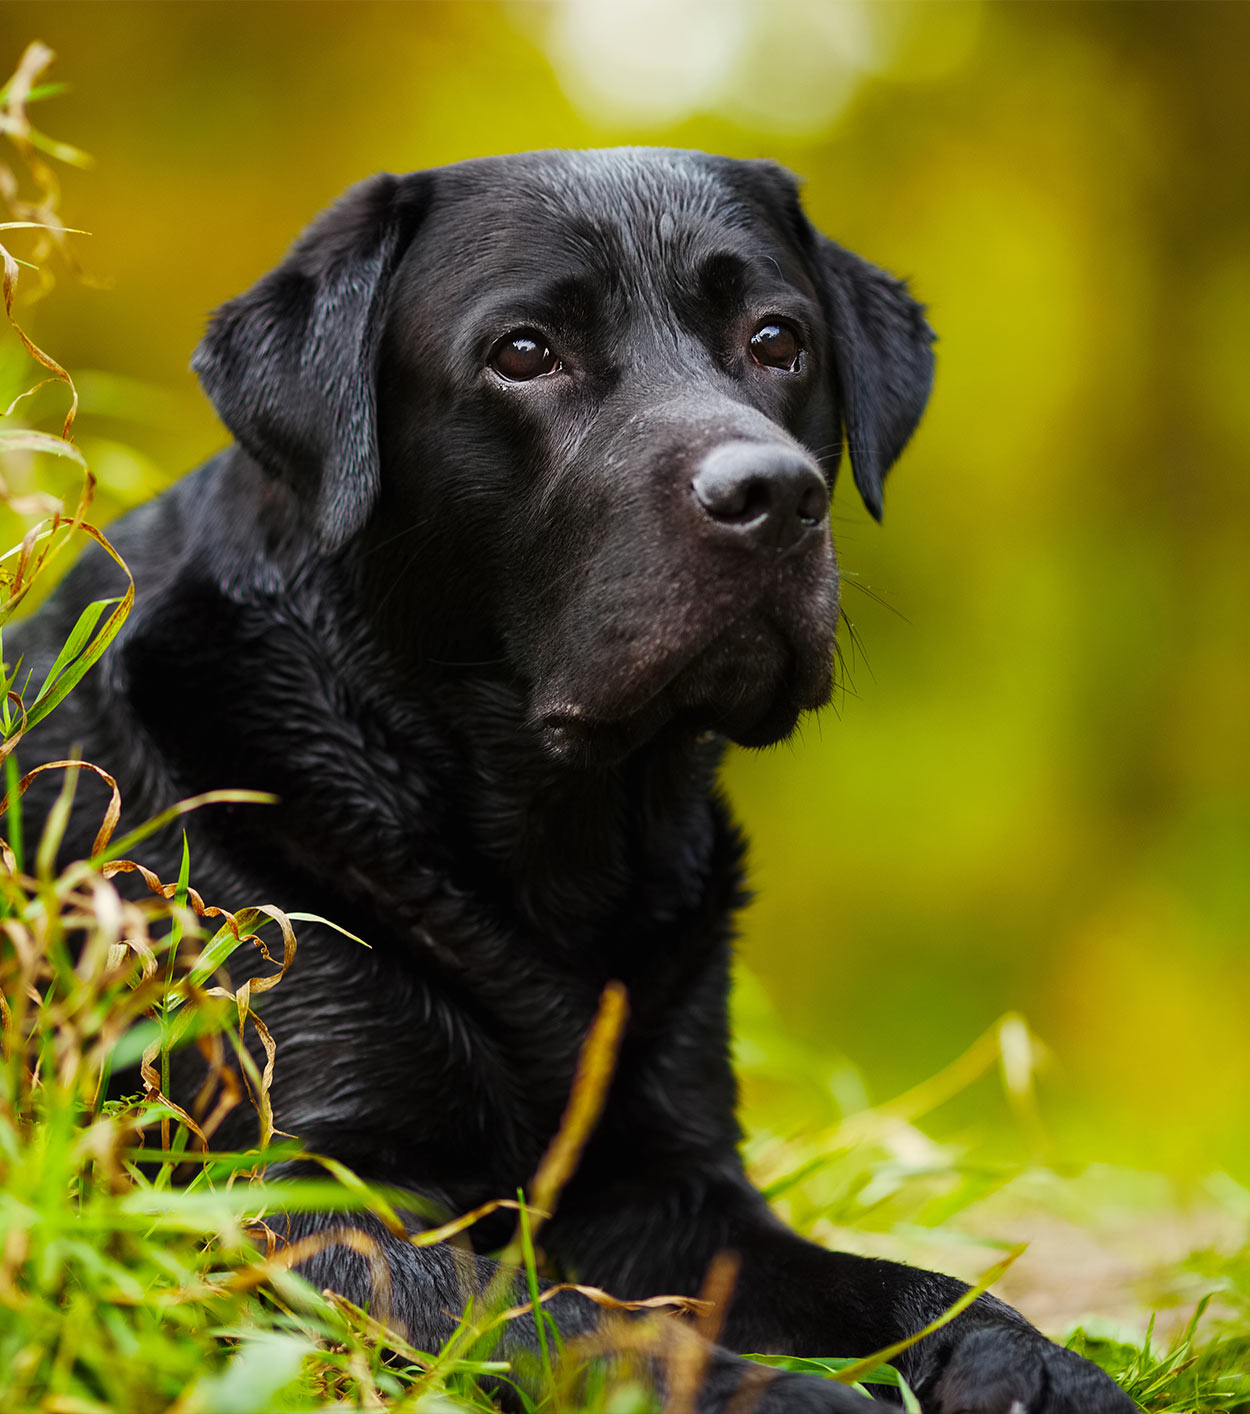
(750, 683)
(572, 737)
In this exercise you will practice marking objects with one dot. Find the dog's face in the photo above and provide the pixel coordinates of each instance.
(580, 413)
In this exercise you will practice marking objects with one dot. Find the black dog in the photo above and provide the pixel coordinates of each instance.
(527, 516)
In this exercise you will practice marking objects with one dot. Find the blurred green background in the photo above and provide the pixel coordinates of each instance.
(1035, 792)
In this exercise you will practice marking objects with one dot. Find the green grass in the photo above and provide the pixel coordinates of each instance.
(124, 1291)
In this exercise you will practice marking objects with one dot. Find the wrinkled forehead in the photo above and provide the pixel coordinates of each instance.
(645, 222)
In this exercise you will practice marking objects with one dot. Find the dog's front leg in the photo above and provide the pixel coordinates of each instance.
(423, 1291)
(792, 1297)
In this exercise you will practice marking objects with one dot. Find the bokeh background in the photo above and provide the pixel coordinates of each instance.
(1034, 794)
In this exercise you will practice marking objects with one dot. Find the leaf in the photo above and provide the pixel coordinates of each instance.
(25, 439)
(69, 679)
(63, 151)
(74, 644)
(327, 923)
(264, 1365)
(165, 817)
(36, 94)
(828, 1367)
(41, 226)
(130, 1048)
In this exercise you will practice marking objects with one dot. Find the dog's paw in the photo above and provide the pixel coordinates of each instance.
(1001, 1370)
(799, 1394)
(735, 1386)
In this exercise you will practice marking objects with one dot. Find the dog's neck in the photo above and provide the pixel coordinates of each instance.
(423, 775)
(582, 845)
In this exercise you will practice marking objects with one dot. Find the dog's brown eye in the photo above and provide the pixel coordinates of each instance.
(523, 356)
(776, 346)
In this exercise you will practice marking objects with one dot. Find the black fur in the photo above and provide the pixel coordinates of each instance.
(485, 645)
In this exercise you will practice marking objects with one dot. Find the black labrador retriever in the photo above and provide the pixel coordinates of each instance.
(527, 516)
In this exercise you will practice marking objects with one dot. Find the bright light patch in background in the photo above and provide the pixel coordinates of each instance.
(783, 67)
(648, 61)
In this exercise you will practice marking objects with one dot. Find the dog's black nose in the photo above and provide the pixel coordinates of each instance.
(768, 496)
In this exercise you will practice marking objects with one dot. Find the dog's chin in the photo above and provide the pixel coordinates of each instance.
(751, 687)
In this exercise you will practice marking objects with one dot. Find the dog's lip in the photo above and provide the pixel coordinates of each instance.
(570, 727)
(574, 720)
(570, 734)
(571, 720)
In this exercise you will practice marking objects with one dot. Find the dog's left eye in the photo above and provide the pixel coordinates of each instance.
(521, 356)
(776, 345)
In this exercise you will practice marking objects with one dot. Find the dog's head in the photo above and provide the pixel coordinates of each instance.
(575, 419)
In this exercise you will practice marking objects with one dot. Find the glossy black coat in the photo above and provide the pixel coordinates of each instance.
(484, 642)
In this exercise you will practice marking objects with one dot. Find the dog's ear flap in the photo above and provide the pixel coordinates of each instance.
(882, 352)
(881, 347)
(291, 364)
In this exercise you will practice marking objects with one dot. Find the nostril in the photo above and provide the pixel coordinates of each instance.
(813, 502)
(727, 494)
(755, 500)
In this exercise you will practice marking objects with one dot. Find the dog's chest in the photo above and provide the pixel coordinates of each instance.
(460, 1076)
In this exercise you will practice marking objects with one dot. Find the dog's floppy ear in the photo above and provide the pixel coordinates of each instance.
(880, 343)
(882, 351)
(290, 364)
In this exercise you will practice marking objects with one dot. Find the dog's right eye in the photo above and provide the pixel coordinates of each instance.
(524, 355)
(775, 345)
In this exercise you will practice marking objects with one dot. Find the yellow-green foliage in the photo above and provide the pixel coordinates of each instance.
(992, 834)
(1034, 795)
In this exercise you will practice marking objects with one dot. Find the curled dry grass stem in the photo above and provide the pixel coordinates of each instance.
(596, 1064)
(30, 147)
(39, 213)
(87, 971)
(693, 1305)
(43, 542)
(689, 1359)
(54, 919)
